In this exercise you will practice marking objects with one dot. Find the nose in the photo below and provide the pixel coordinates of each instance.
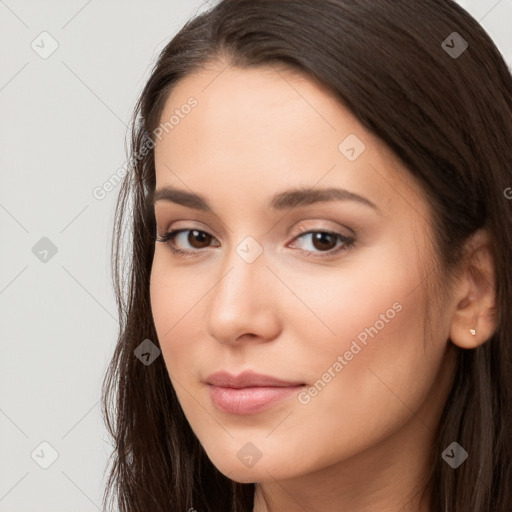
(244, 302)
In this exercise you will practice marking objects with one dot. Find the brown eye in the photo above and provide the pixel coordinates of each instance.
(324, 241)
(198, 239)
(195, 239)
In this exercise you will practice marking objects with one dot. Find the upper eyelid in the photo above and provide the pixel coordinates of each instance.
(298, 231)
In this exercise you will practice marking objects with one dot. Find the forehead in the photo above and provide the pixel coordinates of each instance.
(266, 128)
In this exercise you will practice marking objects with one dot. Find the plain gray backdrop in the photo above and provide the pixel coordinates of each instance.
(69, 77)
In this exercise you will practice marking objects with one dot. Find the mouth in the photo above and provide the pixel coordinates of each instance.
(249, 392)
(249, 400)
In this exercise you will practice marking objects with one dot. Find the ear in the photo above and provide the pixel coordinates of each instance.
(475, 295)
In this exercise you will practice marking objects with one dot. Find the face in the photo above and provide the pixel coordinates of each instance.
(325, 294)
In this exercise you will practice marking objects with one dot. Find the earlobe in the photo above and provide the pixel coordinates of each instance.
(474, 313)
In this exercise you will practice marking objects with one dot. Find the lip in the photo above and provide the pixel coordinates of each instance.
(249, 392)
(247, 379)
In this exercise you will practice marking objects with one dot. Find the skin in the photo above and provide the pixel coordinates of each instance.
(361, 444)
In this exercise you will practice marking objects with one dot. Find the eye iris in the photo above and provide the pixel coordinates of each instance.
(321, 237)
(194, 235)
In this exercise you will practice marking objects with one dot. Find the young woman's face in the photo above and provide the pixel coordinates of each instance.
(325, 294)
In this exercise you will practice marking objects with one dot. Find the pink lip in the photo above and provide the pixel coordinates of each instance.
(249, 392)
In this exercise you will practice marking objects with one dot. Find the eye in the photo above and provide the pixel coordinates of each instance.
(325, 242)
(196, 238)
(321, 242)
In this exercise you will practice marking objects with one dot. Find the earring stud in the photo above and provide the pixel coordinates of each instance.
(472, 331)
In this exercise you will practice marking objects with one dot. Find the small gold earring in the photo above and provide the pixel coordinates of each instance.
(472, 331)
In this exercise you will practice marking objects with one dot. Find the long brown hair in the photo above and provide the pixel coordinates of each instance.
(447, 117)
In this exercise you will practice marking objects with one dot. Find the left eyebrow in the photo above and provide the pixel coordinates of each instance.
(288, 199)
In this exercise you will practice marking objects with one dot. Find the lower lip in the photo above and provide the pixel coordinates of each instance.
(249, 400)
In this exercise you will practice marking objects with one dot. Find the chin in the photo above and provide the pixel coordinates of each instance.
(261, 471)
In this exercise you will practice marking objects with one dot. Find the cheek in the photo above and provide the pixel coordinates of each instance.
(171, 289)
(177, 301)
(169, 296)
(373, 362)
(374, 378)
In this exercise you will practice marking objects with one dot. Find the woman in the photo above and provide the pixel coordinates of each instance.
(317, 310)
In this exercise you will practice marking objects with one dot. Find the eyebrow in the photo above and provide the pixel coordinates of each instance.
(288, 199)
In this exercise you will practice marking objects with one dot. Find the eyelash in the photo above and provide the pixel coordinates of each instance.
(168, 238)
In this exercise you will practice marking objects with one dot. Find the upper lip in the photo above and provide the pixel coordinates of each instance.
(247, 379)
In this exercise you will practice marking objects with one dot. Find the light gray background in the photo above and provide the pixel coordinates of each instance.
(63, 122)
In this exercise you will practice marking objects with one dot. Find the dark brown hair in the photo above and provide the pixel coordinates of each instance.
(447, 118)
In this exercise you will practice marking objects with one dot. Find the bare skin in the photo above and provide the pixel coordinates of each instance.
(361, 442)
